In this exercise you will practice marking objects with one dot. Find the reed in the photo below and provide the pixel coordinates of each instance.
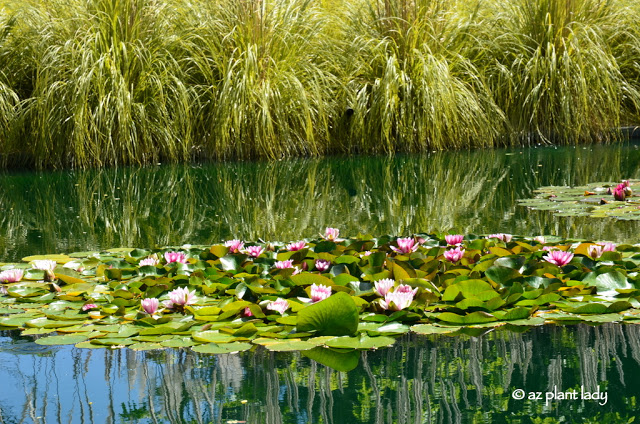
(258, 68)
(563, 71)
(413, 86)
(109, 82)
(105, 89)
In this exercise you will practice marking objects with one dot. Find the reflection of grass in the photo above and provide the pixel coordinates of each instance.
(127, 82)
(444, 378)
(465, 192)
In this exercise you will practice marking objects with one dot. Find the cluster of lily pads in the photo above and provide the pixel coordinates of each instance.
(354, 293)
(596, 200)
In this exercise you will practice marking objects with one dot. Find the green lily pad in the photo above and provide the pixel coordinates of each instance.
(335, 316)
(62, 340)
(216, 349)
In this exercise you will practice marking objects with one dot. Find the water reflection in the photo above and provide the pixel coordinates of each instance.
(419, 380)
(170, 205)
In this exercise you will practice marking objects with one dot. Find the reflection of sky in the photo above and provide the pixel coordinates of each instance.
(419, 379)
(464, 192)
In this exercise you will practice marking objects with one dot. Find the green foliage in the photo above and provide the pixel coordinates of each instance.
(231, 305)
(86, 84)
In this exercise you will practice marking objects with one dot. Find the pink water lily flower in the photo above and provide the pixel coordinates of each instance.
(235, 246)
(558, 257)
(284, 264)
(89, 306)
(383, 286)
(149, 261)
(255, 251)
(319, 292)
(150, 305)
(501, 236)
(396, 300)
(453, 239)
(454, 255)
(279, 305)
(405, 245)
(405, 288)
(11, 275)
(247, 312)
(607, 247)
(175, 257)
(594, 251)
(180, 297)
(331, 234)
(322, 265)
(298, 245)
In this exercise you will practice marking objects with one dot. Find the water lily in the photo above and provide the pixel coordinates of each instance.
(405, 245)
(405, 288)
(619, 193)
(383, 286)
(454, 255)
(247, 312)
(501, 236)
(279, 305)
(298, 245)
(558, 257)
(284, 264)
(44, 264)
(608, 247)
(180, 297)
(235, 246)
(396, 301)
(453, 239)
(149, 261)
(595, 251)
(540, 239)
(47, 266)
(322, 265)
(89, 306)
(175, 257)
(331, 234)
(319, 292)
(3, 291)
(11, 275)
(150, 305)
(255, 251)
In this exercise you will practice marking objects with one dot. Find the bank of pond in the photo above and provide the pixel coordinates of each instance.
(102, 83)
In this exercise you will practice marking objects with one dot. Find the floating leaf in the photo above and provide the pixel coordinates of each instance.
(335, 316)
(62, 340)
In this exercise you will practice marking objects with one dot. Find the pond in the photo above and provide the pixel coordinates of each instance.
(420, 379)
(572, 374)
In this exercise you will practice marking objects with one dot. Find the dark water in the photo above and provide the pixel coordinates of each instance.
(419, 380)
(470, 192)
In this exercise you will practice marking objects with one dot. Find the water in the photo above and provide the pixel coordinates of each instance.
(467, 191)
(420, 379)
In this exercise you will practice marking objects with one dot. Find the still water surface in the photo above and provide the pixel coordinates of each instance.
(419, 380)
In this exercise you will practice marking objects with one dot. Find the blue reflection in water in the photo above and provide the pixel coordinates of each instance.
(420, 379)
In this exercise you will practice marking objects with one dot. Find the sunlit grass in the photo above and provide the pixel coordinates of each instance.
(109, 82)
(105, 89)
(563, 71)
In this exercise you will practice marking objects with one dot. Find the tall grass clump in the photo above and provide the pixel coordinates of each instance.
(412, 84)
(563, 71)
(8, 97)
(105, 88)
(258, 67)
